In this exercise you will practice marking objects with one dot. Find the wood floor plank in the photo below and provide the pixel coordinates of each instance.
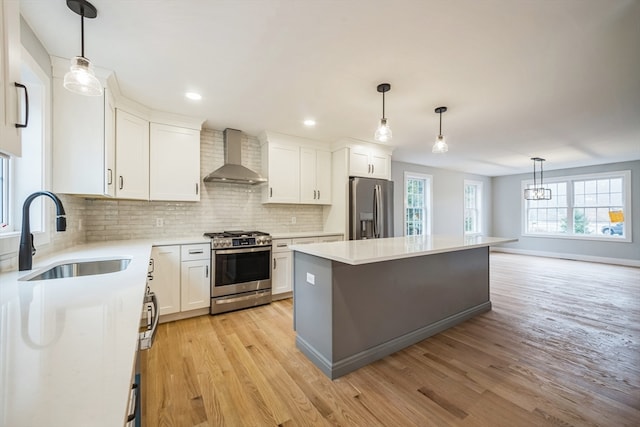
(560, 347)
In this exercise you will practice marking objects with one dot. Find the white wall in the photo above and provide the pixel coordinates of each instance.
(448, 198)
(507, 218)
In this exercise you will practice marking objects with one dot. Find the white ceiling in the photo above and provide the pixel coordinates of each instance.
(521, 78)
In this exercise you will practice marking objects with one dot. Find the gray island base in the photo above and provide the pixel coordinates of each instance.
(347, 315)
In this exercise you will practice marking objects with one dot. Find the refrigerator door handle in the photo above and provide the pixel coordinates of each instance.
(377, 207)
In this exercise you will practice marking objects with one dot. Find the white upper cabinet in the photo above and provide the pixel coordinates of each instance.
(298, 170)
(174, 163)
(11, 96)
(132, 156)
(281, 164)
(315, 176)
(369, 162)
(83, 143)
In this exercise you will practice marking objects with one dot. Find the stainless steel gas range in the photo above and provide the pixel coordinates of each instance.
(241, 276)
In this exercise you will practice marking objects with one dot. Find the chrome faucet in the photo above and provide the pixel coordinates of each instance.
(27, 250)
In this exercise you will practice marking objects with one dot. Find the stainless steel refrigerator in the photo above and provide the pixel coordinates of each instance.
(370, 208)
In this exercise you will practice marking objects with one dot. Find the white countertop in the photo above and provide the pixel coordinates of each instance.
(357, 252)
(68, 346)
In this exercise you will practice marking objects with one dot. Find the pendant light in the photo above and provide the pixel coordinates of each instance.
(440, 146)
(383, 133)
(80, 78)
(537, 193)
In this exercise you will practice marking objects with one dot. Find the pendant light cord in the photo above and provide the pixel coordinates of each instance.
(440, 133)
(383, 116)
(82, 30)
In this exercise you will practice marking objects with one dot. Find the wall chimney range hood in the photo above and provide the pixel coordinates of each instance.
(232, 171)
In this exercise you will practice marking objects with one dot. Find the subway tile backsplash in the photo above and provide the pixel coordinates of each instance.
(221, 207)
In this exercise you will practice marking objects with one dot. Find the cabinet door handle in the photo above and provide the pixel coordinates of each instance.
(373, 168)
(270, 191)
(314, 194)
(110, 177)
(26, 106)
(318, 194)
(121, 182)
(275, 263)
(206, 271)
(195, 251)
(197, 189)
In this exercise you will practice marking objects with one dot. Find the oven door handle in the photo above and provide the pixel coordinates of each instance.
(242, 298)
(147, 337)
(242, 250)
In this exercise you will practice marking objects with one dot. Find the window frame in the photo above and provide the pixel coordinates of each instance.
(5, 178)
(428, 202)
(627, 204)
(39, 84)
(479, 200)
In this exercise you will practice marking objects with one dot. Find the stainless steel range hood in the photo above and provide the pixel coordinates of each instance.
(232, 171)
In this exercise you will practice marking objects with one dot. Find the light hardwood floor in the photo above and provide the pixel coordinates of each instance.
(561, 347)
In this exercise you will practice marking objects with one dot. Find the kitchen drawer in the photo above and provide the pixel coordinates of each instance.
(280, 245)
(195, 252)
(304, 240)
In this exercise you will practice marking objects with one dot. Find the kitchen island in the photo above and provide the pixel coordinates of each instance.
(358, 301)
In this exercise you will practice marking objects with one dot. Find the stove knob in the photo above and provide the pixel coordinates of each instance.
(215, 243)
(227, 242)
(261, 240)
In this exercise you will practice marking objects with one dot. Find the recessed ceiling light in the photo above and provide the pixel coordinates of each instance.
(309, 122)
(194, 96)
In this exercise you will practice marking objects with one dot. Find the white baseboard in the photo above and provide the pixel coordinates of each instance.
(574, 257)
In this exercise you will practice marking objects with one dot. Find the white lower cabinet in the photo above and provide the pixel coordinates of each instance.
(181, 277)
(282, 265)
(165, 273)
(194, 274)
(281, 279)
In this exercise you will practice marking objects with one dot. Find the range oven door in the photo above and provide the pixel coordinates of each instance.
(238, 270)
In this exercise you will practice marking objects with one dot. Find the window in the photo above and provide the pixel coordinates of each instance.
(21, 176)
(417, 204)
(472, 207)
(593, 206)
(549, 216)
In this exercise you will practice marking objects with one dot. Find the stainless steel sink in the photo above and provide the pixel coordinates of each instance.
(81, 268)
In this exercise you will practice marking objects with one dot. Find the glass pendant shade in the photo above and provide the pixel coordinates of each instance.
(81, 79)
(383, 133)
(440, 146)
(538, 193)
